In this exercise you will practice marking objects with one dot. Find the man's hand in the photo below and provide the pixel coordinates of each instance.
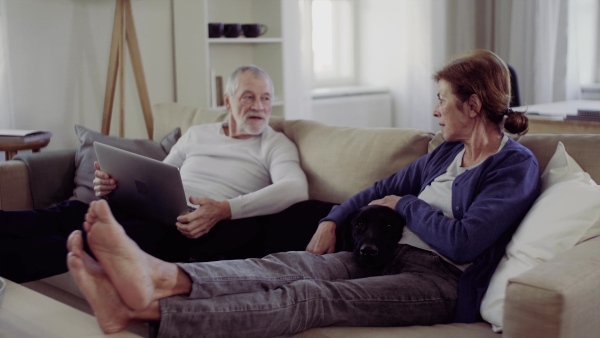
(199, 222)
(323, 241)
(103, 183)
(389, 201)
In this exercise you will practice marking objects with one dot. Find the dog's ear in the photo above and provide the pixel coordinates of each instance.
(395, 218)
(345, 240)
(397, 222)
(400, 220)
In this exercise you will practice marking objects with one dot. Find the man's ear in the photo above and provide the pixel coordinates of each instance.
(227, 103)
(475, 105)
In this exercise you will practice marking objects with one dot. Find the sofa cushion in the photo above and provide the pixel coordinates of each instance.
(170, 115)
(339, 161)
(437, 139)
(85, 157)
(567, 212)
(583, 149)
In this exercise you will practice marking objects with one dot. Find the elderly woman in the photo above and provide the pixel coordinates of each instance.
(461, 203)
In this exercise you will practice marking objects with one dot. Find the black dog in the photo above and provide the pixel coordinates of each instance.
(372, 233)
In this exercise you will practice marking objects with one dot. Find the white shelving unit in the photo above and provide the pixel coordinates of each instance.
(242, 40)
(197, 56)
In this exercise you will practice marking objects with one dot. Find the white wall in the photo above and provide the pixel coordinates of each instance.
(58, 57)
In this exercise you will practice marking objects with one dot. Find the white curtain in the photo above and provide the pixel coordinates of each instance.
(404, 42)
(539, 32)
(7, 119)
(401, 44)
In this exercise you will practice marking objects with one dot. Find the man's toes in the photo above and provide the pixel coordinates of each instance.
(75, 241)
(103, 210)
(74, 262)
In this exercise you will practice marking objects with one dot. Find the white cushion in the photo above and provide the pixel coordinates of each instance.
(566, 212)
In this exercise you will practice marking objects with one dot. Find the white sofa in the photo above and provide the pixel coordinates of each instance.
(558, 298)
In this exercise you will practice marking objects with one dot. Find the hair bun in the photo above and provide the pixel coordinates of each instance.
(516, 122)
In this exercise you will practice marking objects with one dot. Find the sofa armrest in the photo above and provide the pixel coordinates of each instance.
(51, 176)
(15, 192)
(559, 298)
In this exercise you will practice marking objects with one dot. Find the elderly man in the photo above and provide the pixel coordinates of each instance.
(227, 170)
(233, 171)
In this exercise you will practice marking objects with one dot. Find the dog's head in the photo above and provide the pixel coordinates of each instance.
(376, 231)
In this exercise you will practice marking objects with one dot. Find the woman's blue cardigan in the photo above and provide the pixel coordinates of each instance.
(488, 203)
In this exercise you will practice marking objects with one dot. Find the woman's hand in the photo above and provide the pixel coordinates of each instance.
(323, 241)
(389, 201)
(200, 221)
(103, 183)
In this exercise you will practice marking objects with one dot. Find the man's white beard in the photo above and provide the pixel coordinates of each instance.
(248, 129)
(253, 127)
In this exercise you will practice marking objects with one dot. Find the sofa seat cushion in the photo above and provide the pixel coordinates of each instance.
(339, 162)
(456, 330)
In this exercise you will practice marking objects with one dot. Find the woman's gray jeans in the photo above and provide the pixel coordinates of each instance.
(290, 292)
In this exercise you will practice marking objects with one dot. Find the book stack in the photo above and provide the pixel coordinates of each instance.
(585, 115)
(216, 90)
(23, 136)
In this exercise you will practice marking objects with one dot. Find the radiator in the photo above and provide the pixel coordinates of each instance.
(590, 92)
(352, 106)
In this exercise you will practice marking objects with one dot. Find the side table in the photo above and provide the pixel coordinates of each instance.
(11, 147)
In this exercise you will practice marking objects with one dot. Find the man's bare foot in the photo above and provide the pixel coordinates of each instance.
(111, 313)
(123, 261)
(138, 277)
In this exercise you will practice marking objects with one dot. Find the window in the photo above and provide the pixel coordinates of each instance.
(333, 47)
(587, 13)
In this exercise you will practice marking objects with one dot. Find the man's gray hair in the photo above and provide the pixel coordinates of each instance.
(233, 82)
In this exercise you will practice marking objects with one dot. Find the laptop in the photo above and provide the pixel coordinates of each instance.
(146, 187)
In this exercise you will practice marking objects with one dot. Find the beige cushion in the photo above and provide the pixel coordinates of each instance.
(339, 161)
(583, 149)
(169, 115)
(437, 139)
